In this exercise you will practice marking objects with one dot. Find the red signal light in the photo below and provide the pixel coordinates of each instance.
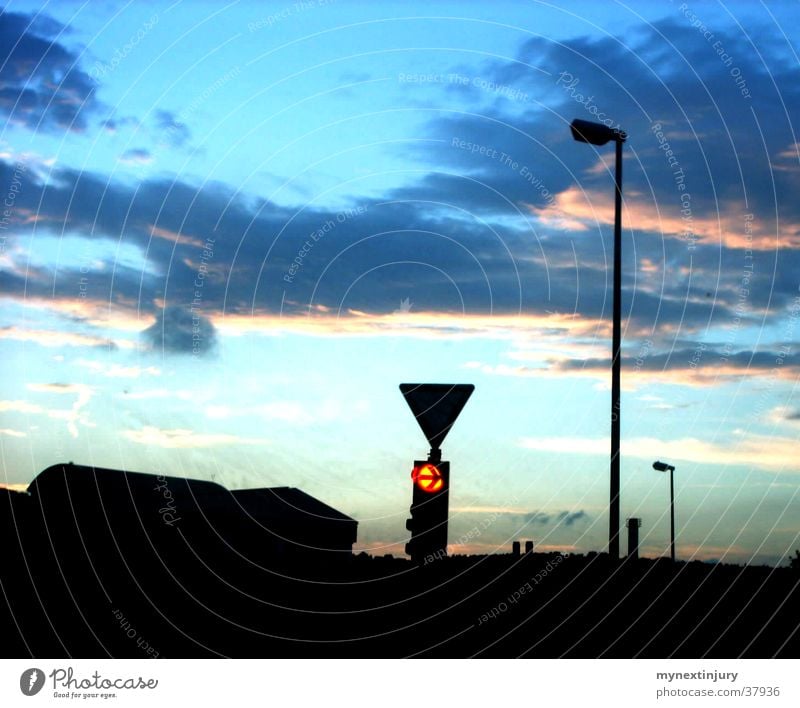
(428, 478)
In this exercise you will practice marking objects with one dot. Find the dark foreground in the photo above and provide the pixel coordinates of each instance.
(185, 600)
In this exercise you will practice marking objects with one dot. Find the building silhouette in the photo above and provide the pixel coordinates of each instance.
(90, 505)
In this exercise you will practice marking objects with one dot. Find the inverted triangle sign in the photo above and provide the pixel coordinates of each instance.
(436, 407)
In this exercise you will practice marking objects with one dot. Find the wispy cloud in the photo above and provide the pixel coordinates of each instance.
(74, 415)
(180, 438)
(776, 454)
(20, 407)
(54, 337)
(119, 371)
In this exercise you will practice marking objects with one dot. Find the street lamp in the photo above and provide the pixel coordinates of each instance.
(663, 467)
(585, 131)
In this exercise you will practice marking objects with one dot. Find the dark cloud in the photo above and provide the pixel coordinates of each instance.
(728, 137)
(41, 85)
(171, 130)
(701, 356)
(180, 330)
(137, 156)
(461, 238)
(369, 257)
(112, 125)
(570, 517)
(542, 518)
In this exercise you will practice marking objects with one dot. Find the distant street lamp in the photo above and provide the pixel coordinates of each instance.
(663, 467)
(585, 131)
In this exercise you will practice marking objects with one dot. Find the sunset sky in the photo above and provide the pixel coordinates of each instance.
(230, 231)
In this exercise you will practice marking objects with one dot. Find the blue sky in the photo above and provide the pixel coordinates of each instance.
(231, 231)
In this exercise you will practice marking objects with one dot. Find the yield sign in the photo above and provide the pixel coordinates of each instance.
(436, 407)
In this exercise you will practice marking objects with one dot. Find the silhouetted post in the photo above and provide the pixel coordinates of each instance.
(528, 546)
(515, 549)
(613, 533)
(633, 537)
(599, 134)
(664, 467)
(672, 514)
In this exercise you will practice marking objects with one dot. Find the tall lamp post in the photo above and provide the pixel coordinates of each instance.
(664, 467)
(585, 131)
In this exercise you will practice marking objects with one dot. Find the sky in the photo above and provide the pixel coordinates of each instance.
(230, 231)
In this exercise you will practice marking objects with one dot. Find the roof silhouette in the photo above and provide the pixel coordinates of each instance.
(286, 502)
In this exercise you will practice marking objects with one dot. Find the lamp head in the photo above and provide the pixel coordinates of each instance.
(585, 131)
(663, 467)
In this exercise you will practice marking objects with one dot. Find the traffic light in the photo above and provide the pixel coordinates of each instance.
(436, 407)
(429, 511)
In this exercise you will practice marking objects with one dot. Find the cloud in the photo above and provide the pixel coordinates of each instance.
(171, 130)
(536, 517)
(577, 209)
(771, 453)
(136, 156)
(287, 411)
(15, 486)
(181, 330)
(569, 518)
(117, 371)
(12, 433)
(181, 395)
(19, 407)
(703, 365)
(541, 518)
(180, 438)
(478, 233)
(74, 415)
(53, 338)
(41, 85)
